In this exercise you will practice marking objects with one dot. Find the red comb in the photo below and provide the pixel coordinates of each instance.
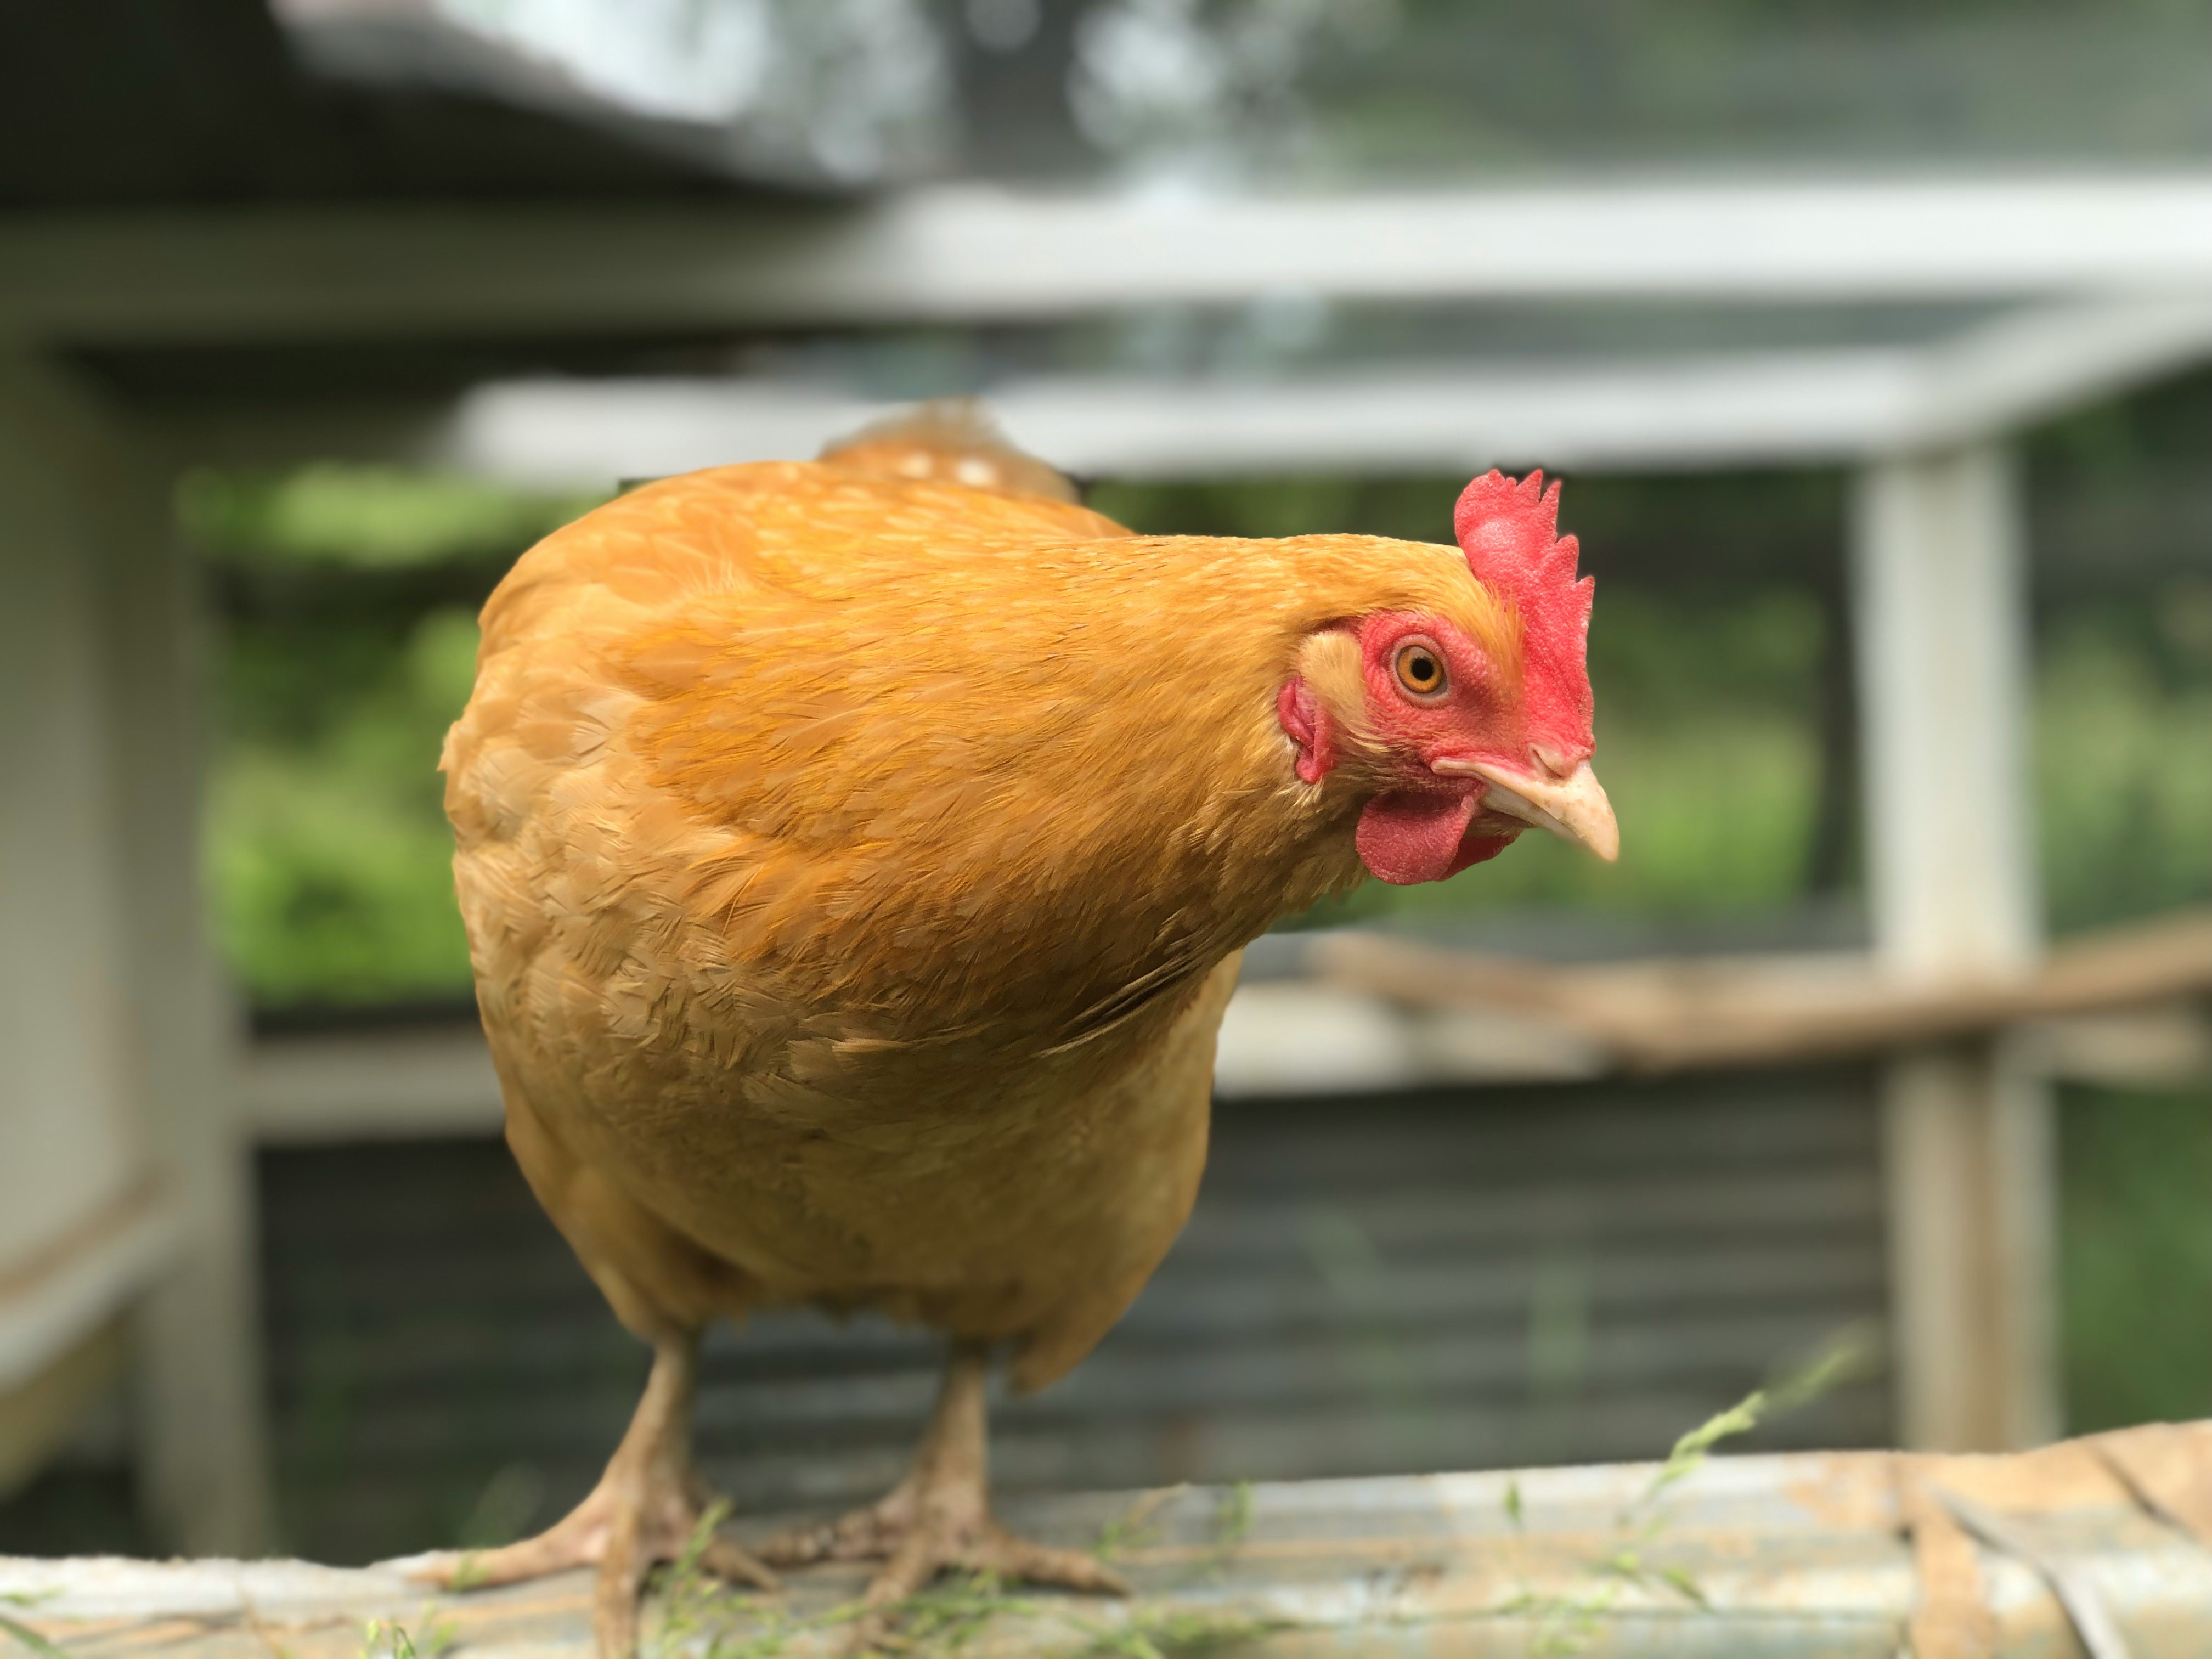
(1508, 530)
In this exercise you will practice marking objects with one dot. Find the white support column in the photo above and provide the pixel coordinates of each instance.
(103, 936)
(1968, 1131)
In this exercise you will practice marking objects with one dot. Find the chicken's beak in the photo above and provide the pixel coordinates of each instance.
(1573, 807)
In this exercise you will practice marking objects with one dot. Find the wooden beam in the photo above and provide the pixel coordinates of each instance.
(1678, 1014)
(977, 253)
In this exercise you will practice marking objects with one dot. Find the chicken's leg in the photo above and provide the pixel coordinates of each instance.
(939, 1516)
(644, 1510)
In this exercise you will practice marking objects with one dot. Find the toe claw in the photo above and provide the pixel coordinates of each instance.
(566, 1546)
(1012, 1556)
(726, 1558)
(919, 1557)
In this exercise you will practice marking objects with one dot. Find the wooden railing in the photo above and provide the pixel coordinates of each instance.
(1687, 1013)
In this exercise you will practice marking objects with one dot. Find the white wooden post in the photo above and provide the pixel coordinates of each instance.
(1968, 1131)
(118, 1068)
(78, 1219)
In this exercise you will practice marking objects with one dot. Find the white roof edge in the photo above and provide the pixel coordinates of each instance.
(1715, 409)
(976, 253)
(1680, 414)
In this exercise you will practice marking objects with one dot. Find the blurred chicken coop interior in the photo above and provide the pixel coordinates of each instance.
(1872, 340)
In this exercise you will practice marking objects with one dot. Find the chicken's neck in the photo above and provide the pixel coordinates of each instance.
(1032, 801)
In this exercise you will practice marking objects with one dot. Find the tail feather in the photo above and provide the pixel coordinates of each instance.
(951, 441)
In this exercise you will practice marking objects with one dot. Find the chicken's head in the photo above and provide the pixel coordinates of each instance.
(1462, 738)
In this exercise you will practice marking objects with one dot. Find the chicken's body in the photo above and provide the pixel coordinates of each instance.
(875, 983)
(855, 866)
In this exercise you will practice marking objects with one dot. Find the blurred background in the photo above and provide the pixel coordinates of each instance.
(1871, 340)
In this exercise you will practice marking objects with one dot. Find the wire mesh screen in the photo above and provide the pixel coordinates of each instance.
(1370, 1284)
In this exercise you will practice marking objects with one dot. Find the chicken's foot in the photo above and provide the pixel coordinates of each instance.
(939, 1517)
(645, 1510)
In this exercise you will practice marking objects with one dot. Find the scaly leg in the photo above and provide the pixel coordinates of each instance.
(644, 1510)
(940, 1516)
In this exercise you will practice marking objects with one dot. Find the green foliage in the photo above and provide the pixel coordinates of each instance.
(1137, 1527)
(366, 517)
(2136, 1274)
(2123, 756)
(327, 846)
(388, 1638)
(700, 1614)
(1844, 1356)
(1171, 1633)
(327, 849)
(1569, 1623)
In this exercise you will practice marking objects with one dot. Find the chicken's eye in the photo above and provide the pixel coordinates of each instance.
(1420, 670)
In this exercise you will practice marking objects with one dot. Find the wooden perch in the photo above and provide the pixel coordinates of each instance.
(1681, 1014)
(1764, 1557)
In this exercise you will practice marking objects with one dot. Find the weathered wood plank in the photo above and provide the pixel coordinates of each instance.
(1777, 1556)
(1685, 1014)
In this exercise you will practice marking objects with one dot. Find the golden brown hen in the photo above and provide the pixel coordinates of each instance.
(856, 857)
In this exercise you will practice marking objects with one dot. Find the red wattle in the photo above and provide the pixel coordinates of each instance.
(1413, 835)
(1479, 849)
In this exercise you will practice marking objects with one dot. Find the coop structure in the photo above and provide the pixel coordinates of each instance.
(132, 1102)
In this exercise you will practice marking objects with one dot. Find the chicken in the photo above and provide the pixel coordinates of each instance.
(856, 857)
